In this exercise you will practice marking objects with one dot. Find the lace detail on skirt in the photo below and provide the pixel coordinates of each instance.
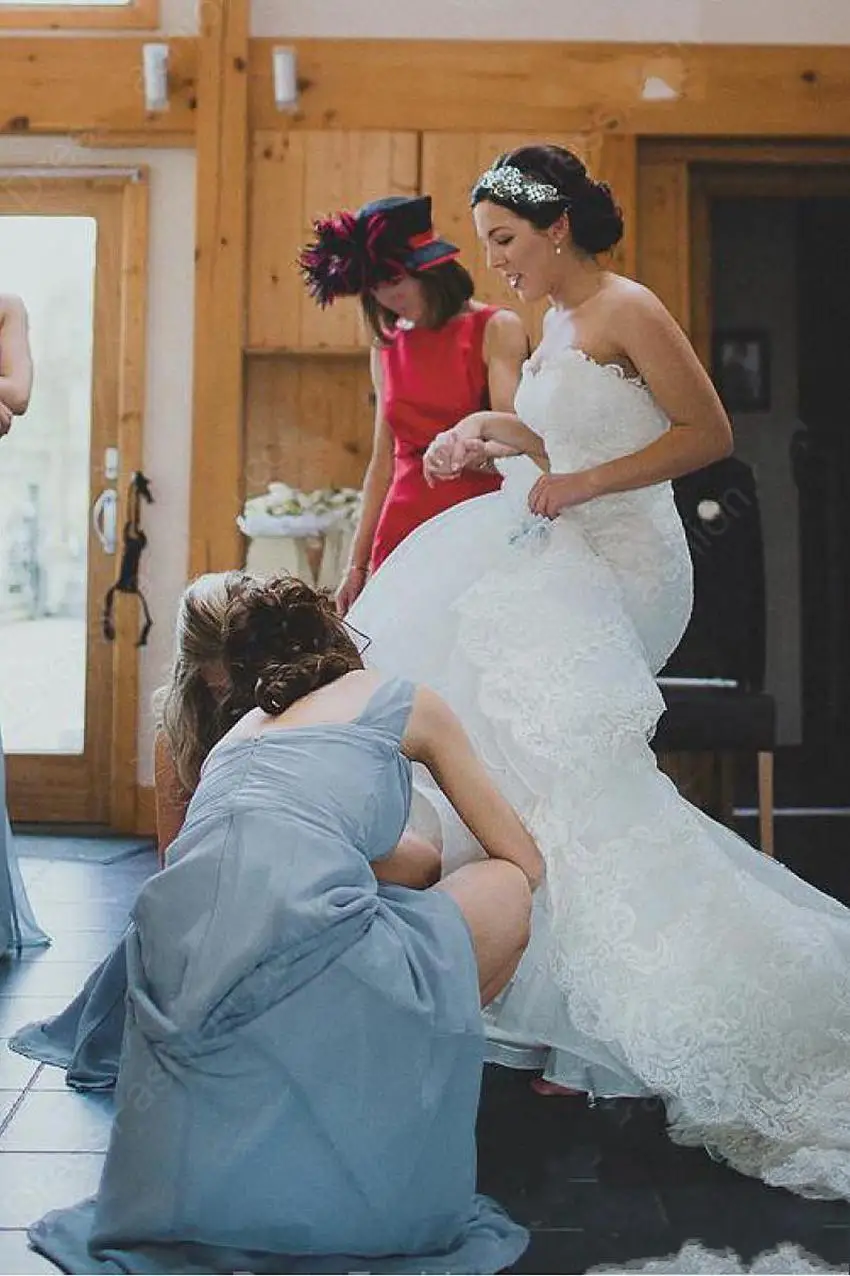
(720, 979)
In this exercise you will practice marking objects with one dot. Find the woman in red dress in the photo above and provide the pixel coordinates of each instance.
(438, 355)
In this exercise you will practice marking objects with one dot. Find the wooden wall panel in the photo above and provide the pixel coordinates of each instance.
(663, 239)
(295, 178)
(450, 164)
(308, 421)
(275, 228)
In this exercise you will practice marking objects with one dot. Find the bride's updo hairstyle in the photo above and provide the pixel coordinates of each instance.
(282, 640)
(541, 183)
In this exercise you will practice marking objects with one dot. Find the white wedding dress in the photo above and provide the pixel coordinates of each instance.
(667, 956)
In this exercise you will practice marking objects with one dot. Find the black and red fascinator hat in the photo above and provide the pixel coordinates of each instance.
(354, 252)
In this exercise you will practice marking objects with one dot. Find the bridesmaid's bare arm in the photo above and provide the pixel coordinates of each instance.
(505, 350)
(172, 799)
(435, 737)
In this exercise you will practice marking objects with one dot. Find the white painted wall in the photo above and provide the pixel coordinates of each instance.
(179, 17)
(712, 21)
(168, 390)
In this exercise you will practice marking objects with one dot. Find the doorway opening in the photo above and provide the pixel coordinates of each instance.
(777, 307)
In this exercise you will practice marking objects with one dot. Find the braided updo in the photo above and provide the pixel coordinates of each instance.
(596, 221)
(283, 640)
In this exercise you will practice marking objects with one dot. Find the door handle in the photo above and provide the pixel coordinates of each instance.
(104, 517)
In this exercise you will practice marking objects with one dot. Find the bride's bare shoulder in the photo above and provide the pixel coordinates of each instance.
(624, 294)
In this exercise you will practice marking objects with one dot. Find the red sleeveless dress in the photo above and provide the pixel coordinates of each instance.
(432, 378)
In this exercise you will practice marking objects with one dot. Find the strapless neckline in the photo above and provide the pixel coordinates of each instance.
(535, 366)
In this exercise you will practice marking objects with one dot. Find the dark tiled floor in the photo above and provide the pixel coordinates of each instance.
(605, 1186)
(600, 1186)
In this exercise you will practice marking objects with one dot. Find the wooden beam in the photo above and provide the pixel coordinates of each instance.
(545, 87)
(135, 141)
(56, 85)
(794, 182)
(806, 152)
(59, 85)
(220, 287)
(131, 411)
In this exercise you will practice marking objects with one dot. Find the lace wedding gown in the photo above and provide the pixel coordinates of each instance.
(667, 956)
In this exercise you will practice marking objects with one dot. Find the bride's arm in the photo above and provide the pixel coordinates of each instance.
(501, 433)
(700, 432)
(663, 355)
(500, 427)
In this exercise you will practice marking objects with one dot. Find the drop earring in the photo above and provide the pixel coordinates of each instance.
(557, 250)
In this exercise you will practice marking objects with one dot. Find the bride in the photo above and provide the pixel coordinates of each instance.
(667, 956)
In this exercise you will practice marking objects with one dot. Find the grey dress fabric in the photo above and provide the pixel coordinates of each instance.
(85, 1038)
(303, 1052)
(18, 927)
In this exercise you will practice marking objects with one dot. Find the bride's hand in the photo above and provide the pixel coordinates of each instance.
(553, 493)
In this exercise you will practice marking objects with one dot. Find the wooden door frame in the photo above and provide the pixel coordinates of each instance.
(120, 749)
(781, 180)
(124, 797)
(678, 177)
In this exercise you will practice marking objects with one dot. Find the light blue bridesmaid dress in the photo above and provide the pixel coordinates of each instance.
(303, 1051)
(18, 927)
(85, 1038)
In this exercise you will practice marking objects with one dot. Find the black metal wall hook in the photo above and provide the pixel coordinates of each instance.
(134, 542)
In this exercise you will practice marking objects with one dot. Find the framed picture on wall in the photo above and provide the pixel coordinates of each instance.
(741, 369)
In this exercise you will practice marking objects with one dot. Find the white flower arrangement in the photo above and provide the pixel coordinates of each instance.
(286, 511)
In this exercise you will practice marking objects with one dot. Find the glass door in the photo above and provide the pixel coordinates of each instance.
(61, 252)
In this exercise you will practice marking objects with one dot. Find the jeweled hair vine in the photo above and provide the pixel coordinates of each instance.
(511, 186)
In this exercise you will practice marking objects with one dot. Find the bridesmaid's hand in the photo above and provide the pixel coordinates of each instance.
(553, 493)
(477, 455)
(350, 589)
(444, 458)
